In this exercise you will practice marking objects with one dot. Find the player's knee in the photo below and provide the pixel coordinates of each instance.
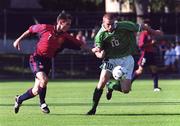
(126, 91)
(101, 85)
(139, 72)
(44, 82)
(35, 91)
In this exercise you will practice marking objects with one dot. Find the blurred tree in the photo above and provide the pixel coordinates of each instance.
(143, 7)
(162, 5)
(72, 5)
(155, 6)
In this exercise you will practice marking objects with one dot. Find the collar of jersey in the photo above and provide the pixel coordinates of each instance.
(115, 26)
(57, 33)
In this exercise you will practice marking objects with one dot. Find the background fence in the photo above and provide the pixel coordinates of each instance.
(68, 64)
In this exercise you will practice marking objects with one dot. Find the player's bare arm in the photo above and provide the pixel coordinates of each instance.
(16, 43)
(86, 48)
(152, 31)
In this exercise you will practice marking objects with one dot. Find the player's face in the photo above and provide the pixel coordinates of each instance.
(108, 24)
(63, 25)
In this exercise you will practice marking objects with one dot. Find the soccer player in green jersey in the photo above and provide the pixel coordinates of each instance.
(115, 43)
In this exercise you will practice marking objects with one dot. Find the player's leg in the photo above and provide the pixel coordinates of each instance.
(104, 78)
(114, 86)
(41, 67)
(141, 62)
(30, 93)
(42, 81)
(124, 85)
(36, 64)
(20, 98)
(155, 77)
(137, 73)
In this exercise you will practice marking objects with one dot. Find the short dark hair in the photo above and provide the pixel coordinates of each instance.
(64, 16)
(147, 21)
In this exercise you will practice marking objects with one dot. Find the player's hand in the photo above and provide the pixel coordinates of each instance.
(16, 44)
(153, 42)
(95, 49)
(100, 54)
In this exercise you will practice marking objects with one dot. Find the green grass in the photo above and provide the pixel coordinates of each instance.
(70, 100)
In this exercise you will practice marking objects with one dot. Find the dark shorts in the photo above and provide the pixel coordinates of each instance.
(147, 59)
(40, 64)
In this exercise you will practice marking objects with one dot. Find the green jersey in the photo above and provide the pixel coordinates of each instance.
(119, 43)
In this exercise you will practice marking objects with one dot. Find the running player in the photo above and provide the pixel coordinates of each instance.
(115, 42)
(147, 58)
(53, 39)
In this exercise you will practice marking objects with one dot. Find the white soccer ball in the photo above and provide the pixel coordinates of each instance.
(119, 72)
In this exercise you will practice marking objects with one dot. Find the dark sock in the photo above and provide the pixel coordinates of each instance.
(96, 97)
(155, 79)
(42, 94)
(26, 96)
(115, 86)
(134, 77)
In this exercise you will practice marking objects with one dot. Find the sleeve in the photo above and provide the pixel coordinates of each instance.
(128, 25)
(72, 43)
(145, 41)
(142, 37)
(99, 38)
(36, 28)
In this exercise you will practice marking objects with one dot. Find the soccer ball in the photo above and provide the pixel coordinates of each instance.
(119, 72)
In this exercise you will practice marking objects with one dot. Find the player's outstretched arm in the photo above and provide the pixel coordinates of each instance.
(16, 43)
(150, 30)
(86, 48)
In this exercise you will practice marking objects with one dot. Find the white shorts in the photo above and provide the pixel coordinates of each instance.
(126, 62)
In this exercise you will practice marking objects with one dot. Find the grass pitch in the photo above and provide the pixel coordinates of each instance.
(70, 100)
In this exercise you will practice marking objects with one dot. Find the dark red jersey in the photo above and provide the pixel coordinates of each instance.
(51, 42)
(145, 42)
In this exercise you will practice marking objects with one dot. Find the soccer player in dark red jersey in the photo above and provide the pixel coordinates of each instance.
(148, 54)
(53, 39)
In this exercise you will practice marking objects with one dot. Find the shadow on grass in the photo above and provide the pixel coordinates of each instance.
(108, 104)
(104, 104)
(118, 114)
